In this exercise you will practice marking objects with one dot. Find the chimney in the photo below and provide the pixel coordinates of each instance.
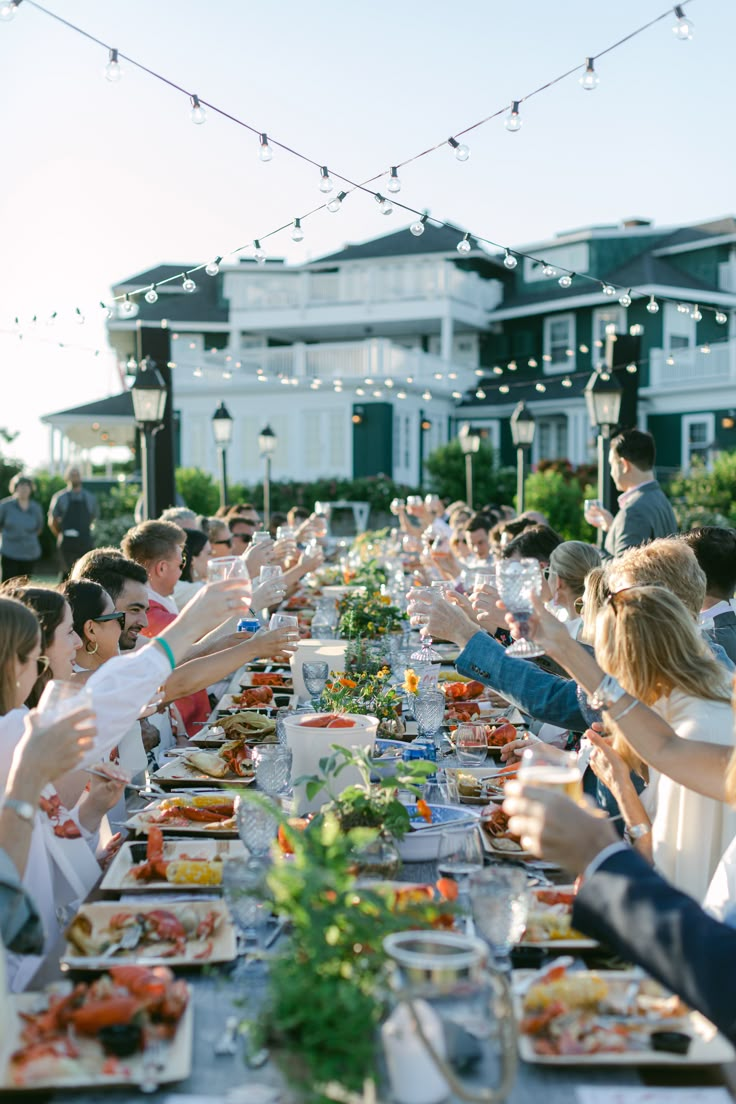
(632, 223)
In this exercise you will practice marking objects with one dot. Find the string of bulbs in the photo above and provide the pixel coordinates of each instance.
(682, 28)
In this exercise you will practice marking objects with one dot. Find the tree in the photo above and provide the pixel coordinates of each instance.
(703, 497)
(491, 483)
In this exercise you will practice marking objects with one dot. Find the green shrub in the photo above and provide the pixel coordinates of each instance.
(199, 490)
(491, 483)
(559, 496)
(703, 497)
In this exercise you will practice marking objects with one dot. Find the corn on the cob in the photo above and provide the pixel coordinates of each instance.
(581, 990)
(194, 872)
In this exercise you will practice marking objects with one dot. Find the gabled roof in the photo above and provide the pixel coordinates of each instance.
(646, 269)
(401, 243)
(115, 406)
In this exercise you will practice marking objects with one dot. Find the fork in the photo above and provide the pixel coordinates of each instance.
(128, 941)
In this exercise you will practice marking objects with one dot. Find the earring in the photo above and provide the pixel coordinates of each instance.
(92, 651)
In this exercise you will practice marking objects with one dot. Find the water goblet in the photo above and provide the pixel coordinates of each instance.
(471, 744)
(243, 887)
(315, 676)
(425, 653)
(517, 581)
(273, 768)
(499, 901)
(429, 711)
(257, 825)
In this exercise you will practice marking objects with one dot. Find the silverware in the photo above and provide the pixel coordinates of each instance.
(274, 935)
(129, 940)
(227, 1044)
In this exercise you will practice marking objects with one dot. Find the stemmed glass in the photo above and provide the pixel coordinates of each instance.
(471, 744)
(429, 712)
(460, 856)
(499, 900)
(257, 826)
(425, 653)
(315, 679)
(243, 887)
(285, 621)
(517, 581)
(273, 768)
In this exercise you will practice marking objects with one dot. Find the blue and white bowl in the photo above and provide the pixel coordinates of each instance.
(421, 843)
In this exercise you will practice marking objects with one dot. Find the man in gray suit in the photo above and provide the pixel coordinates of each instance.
(644, 509)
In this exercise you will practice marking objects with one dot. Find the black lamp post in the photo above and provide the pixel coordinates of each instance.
(603, 395)
(469, 443)
(149, 402)
(523, 428)
(267, 442)
(222, 429)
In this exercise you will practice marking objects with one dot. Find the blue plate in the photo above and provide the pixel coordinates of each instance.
(442, 816)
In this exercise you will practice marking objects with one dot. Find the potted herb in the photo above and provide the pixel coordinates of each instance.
(368, 694)
(369, 615)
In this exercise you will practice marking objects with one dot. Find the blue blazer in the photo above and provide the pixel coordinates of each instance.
(626, 904)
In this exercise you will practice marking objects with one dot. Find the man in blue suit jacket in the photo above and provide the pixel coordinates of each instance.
(625, 903)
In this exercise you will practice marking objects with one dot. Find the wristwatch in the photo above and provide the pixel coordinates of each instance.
(636, 831)
(22, 809)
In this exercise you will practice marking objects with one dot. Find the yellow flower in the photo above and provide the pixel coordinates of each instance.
(385, 599)
(384, 672)
(411, 680)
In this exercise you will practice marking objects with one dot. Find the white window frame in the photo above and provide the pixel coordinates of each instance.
(677, 324)
(619, 319)
(567, 364)
(560, 421)
(688, 420)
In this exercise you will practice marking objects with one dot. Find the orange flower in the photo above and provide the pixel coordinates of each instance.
(447, 888)
(348, 682)
(424, 810)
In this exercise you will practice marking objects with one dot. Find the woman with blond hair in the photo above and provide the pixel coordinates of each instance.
(570, 563)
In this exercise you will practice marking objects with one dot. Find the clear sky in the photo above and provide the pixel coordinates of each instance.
(101, 180)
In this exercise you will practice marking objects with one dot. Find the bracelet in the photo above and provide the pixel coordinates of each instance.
(167, 650)
(607, 694)
(636, 831)
(629, 707)
(22, 809)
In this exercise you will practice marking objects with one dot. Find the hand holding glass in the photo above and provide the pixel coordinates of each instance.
(516, 582)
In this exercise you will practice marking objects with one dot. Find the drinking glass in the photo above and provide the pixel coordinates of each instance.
(483, 578)
(442, 791)
(315, 677)
(396, 504)
(226, 567)
(460, 855)
(243, 887)
(516, 582)
(499, 901)
(590, 505)
(285, 621)
(270, 571)
(471, 744)
(60, 699)
(257, 826)
(553, 769)
(273, 768)
(285, 532)
(429, 711)
(425, 653)
(281, 715)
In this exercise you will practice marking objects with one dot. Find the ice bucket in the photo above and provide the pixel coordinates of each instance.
(309, 745)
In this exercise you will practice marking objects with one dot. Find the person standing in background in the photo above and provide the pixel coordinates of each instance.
(21, 521)
(71, 513)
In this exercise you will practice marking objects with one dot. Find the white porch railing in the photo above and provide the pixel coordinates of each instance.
(684, 367)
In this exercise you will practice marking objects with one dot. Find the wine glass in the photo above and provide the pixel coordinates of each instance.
(429, 711)
(471, 744)
(59, 699)
(499, 901)
(257, 826)
(425, 653)
(460, 855)
(516, 582)
(243, 887)
(285, 621)
(315, 678)
(226, 567)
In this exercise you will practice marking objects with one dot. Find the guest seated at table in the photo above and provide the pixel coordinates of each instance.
(537, 542)
(569, 566)
(715, 551)
(180, 515)
(197, 553)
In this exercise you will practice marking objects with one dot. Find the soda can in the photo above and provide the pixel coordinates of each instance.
(249, 624)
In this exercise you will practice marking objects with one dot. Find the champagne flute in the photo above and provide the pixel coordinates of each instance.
(516, 582)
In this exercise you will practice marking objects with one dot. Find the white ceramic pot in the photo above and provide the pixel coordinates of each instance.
(309, 745)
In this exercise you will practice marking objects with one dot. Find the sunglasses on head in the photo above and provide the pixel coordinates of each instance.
(119, 617)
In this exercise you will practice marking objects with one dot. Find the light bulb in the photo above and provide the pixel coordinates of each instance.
(608, 289)
(512, 121)
(567, 382)
(199, 115)
(335, 203)
(670, 360)
(79, 317)
(504, 389)
(683, 28)
(721, 318)
(264, 152)
(213, 267)
(197, 373)
(631, 369)
(652, 305)
(511, 366)
(565, 281)
(297, 234)
(464, 246)
(510, 260)
(532, 362)
(480, 393)
(426, 395)
(226, 375)
(541, 387)
(385, 206)
(497, 370)
(583, 349)
(107, 309)
(462, 152)
(417, 228)
(401, 394)
(589, 79)
(127, 306)
(625, 299)
(151, 295)
(51, 320)
(188, 284)
(696, 314)
(705, 348)
(683, 308)
(258, 256)
(325, 180)
(394, 184)
(7, 11)
(548, 270)
(113, 69)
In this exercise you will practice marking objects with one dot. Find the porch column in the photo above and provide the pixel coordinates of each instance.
(446, 336)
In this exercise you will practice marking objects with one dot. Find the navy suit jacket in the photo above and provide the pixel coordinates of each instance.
(641, 916)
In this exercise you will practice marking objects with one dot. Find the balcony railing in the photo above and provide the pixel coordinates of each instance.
(707, 364)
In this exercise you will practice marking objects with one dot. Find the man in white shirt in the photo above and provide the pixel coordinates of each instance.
(715, 551)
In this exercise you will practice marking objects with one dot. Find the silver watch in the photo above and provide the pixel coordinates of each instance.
(22, 809)
(636, 831)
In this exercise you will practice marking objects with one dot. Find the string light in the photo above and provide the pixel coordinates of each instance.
(385, 206)
(258, 255)
(548, 270)
(565, 281)
(532, 362)
(608, 289)
(513, 119)
(417, 228)
(335, 203)
(127, 306)
(79, 317)
(683, 28)
(199, 115)
(705, 348)
(510, 260)
(541, 387)
(567, 382)
(108, 310)
(426, 395)
(589, 79)
(625, 299)
(325, 180)
(464, 246)
(113, 69)
(188, 284)
(721, 318)
(394, 184)
(197, 373)
(511, 366)
(504, 389)
(498, 371)
(480, 393)
(652, 305)
(683, 308)
(462, 152)
(696, 315)
(265, 152)
(213, 267)
(632, 369)
(7, 11)
(297, 234)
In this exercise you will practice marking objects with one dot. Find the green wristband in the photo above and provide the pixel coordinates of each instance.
(167, 649)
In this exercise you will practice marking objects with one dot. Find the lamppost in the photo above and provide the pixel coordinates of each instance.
(149, 402)
(523, 428)
(267, 441)
(603, 395)
(469, 443)
(222, 428)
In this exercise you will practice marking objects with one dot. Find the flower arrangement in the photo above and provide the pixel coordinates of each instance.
(354, 692)
(369, 615)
